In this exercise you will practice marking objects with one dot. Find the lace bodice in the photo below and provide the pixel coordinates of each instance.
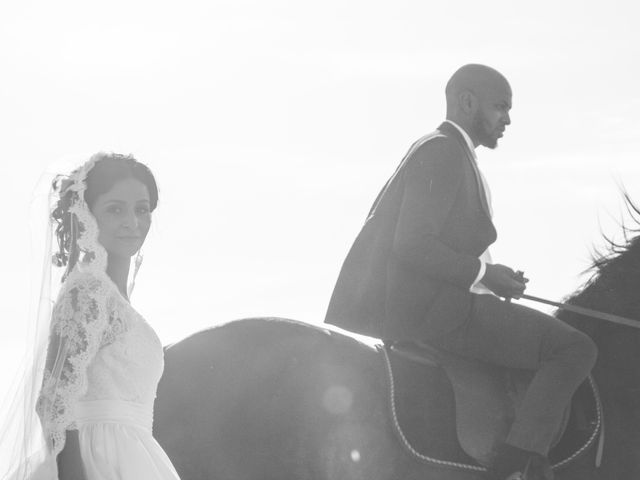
(104, 350)
(129, 364)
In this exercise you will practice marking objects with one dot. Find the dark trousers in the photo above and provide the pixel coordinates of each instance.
(513, 335)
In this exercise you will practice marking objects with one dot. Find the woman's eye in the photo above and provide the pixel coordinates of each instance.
(115, 210)
(143, 210)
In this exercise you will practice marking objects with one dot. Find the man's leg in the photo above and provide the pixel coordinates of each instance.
(515, 336)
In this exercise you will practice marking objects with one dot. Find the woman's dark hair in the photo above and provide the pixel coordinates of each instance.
(109, 169)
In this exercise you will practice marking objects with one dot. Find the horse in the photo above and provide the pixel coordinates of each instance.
(271, 398)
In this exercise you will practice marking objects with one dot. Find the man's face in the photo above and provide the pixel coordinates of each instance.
(492, 114)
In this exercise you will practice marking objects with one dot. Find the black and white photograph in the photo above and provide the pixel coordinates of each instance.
(337, 240)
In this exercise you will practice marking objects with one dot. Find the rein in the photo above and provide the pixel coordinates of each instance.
(608, 317)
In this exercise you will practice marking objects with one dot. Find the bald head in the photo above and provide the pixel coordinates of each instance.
(479, 100)
(475, 78)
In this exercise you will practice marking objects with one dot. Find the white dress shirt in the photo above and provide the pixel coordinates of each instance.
(477, 286)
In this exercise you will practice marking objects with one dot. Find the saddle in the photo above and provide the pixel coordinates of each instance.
(485, 398)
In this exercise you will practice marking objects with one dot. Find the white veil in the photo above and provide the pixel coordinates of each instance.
(22, 444)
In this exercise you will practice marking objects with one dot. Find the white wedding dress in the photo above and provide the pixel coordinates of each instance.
(103, 384)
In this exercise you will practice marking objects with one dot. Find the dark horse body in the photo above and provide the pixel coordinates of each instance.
(275, 399)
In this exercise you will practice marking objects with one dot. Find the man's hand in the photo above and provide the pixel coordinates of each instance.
(503, 281)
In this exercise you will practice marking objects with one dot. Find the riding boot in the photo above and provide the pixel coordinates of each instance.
(513, 463)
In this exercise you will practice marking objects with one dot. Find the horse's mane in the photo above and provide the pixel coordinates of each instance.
(615, 272)
(611, 257)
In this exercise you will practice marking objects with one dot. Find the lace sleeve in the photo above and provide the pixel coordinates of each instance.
(79, 319)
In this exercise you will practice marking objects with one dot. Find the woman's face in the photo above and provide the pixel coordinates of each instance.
(123, 215)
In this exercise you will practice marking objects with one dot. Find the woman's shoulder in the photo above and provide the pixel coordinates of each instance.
(84, 280)
(84, 284)
(85, 298)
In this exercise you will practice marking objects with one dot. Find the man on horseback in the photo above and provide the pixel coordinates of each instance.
(420, 271)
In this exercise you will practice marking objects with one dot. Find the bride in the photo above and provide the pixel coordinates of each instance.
(98, 379)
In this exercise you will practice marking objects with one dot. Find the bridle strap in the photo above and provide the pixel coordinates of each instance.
(608, 317)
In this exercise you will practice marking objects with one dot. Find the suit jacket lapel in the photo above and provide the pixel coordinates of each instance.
(452, 131)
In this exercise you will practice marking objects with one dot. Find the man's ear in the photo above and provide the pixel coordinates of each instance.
(468, 102)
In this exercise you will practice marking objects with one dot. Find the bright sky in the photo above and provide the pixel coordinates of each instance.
(271, 126)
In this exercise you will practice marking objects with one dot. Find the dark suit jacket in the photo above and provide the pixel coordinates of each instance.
(408, 273)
